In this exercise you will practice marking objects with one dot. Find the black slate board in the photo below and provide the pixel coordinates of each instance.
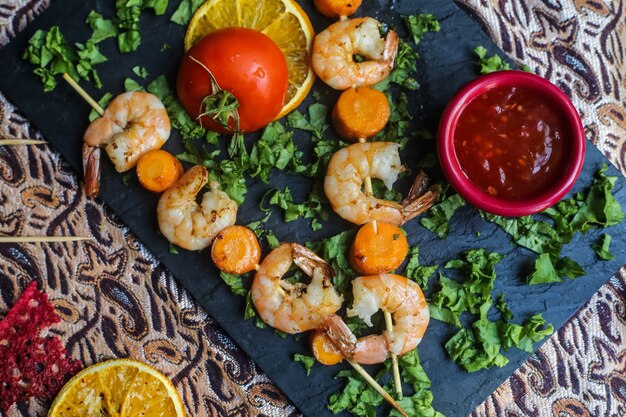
(447, 63)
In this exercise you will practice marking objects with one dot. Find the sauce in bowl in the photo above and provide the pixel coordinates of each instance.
(511, 142)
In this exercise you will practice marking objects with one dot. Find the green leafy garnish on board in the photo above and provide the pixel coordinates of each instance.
(307, 361)
(127, 14)
(503, 308)
(419, 24)
(173, 249)
(310, 209)
(103, 102)
(102, 28)
(602, 247)
(275, 149)
(438, 220)
(416, 272)
(360, 399)
(490, 64)
(52, 55)
(185, 11)
(544, 272)
(141, 72)
(132, 85)
(454, 298)
(479, 346)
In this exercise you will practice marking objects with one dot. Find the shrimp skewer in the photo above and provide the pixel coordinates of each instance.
(346, 174)
(188, 224)
(393, 293)
(133, 124)
(294, 308)
(335, 47)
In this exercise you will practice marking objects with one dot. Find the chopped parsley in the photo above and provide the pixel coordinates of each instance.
(140, 72)
(102, 28)
(439, 215)
(601, 247)
(419, 24)
(185, 11)
(416, 272)
(307, 361)
(310, 209)
(491, 64)
(51, 54)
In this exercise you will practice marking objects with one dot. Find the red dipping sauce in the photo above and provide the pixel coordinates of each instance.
(511, 142)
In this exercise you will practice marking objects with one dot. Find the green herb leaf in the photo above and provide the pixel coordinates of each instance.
(417, 272)
(185, 11)
(307, 361)
(141, 72)
(419, 24)
(132, 85)
(235, 283)
(173, 249)
(601, 247)
(438, 220)
(544, 272)
(102, 28)
(159, 6)
(103, 102)
(312, 208)
(275, 149)
(503, 308)
(127, 14)
(491, 64)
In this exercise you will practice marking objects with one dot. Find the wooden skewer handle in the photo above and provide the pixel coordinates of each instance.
(42, 239)
(93, 103)
(17, 141)
(377, 387)
(394, 359)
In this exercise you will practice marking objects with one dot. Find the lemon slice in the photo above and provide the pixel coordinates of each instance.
(283, 21)
(120, 388)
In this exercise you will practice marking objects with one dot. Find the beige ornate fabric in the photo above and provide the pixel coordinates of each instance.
(115, 299)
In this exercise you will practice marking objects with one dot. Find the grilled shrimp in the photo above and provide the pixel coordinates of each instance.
(335, 47)
(133, 124)
(294, 308)
(393, 293)
(347, 171)
(188, 224)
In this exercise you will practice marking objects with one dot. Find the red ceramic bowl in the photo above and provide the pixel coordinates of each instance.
(500, 205)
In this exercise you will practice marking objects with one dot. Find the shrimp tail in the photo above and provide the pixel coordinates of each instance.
(91, 169)
(341, 336)
(308, 261)
(419, 198)
(392, 42)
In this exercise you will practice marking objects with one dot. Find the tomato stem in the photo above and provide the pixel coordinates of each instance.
(220, 106)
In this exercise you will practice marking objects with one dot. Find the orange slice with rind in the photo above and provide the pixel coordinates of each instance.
(283, 21)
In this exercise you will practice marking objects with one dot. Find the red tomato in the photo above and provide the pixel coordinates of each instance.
(244, 62)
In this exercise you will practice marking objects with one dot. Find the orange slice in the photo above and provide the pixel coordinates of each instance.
(283, 21)
(120, 387)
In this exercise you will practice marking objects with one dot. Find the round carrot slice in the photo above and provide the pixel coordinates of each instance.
(378, 251)
(360, 113)
(158, 170)
(236, 250)
(323, 349)
(337, 8)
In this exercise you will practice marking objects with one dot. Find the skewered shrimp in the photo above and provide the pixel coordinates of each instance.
(347, 171)
(133, 124)
(393, 293)
(335, 47)
(188, 224)
(294, 308)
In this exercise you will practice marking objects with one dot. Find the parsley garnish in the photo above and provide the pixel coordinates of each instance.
(307, 361)
(491, 64)
(419, 24)
(185, 11)
(601, 247)
(438, 220)
(416, 272)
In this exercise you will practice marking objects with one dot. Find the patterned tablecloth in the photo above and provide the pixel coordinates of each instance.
(116, 300)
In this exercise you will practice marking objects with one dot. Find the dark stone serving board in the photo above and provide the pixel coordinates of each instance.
(447, 62)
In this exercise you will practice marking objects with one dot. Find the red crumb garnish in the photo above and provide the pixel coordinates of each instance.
(31, 366)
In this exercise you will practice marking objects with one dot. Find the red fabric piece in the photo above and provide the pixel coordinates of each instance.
(31, 366)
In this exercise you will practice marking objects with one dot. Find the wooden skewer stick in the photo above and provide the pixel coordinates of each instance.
(18, 141)
(93, 103)
(42, 239)
(377, 387)
(388, 322)
(394, 359)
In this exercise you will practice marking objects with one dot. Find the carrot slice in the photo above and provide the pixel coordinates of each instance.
(158, 170)
(323, 349)
(236, 250)
(360, 113)
(378, 251)
(337, 8)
